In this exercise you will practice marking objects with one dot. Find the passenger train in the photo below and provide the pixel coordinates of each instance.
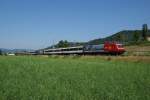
(106, 48)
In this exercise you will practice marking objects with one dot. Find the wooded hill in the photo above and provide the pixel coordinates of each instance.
(125, 36)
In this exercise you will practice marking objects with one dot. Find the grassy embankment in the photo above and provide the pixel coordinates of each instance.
(138, 49)
(73, 78)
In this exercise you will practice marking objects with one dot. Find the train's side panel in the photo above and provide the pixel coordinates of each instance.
(94, 49)
(68, 50)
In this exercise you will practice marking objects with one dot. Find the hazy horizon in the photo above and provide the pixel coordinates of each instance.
(35, 24)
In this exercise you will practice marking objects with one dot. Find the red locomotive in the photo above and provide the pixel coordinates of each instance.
(113, 47)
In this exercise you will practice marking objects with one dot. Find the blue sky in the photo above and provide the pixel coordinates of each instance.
(35, 24)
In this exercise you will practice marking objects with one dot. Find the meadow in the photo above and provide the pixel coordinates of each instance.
(73, 78)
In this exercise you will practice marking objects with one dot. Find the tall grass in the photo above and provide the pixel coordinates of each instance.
(73, 78)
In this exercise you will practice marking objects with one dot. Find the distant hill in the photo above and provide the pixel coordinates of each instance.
(14, 50)
(122, 36)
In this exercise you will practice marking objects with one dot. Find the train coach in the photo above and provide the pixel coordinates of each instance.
(106, 48)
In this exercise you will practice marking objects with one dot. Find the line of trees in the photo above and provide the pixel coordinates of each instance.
(141, 36)
(137, 35)
(63, 43)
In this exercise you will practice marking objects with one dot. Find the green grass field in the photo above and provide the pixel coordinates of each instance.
(66, 78)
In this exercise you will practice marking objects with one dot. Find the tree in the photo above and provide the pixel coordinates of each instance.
(144, 31)
(136, 36)
(66, 43)
(62, 44)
